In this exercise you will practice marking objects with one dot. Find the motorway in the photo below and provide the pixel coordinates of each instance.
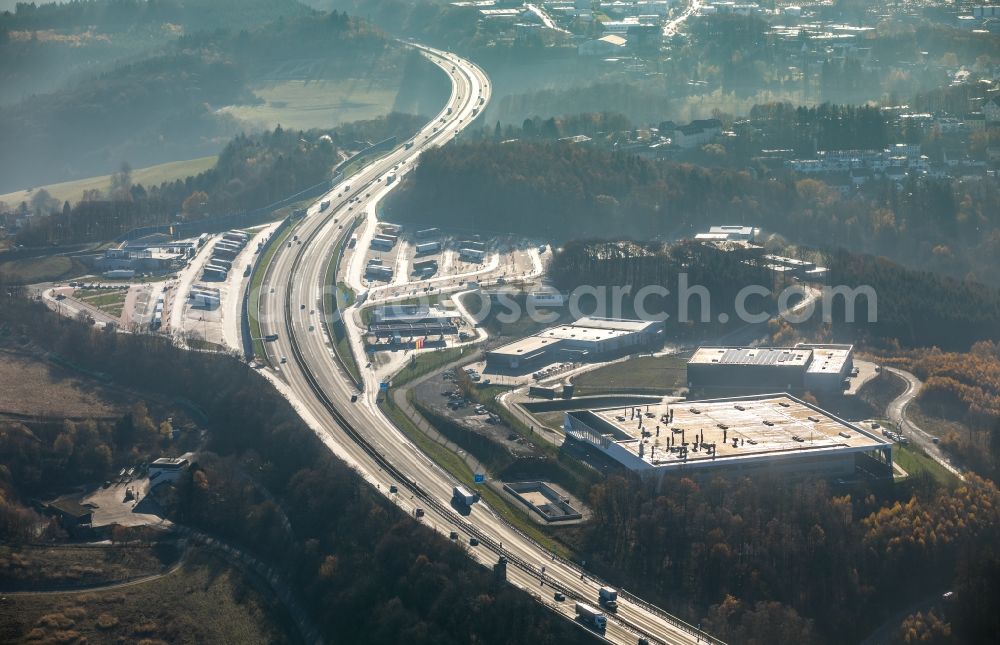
(307, 372)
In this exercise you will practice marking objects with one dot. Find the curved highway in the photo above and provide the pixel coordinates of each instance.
(308, 373)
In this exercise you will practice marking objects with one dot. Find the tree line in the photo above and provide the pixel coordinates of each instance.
(564, 191)
(252, 171)
(365, 571)
(165, 105)
(764, 560)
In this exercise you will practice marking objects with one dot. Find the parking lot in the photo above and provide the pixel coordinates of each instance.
(442, 395)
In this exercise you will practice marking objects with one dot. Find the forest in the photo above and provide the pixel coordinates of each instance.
(367, 573)
(252, 171)
(45, 44)
(162, 106)
(915, 308)
(775, 561)
(563, 191)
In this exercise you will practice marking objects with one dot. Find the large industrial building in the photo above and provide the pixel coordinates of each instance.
(775, 433)
(816, 368)
(584, 339)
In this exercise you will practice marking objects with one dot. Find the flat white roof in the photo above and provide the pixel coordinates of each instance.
(828, 359)
(763, 426)
(587, 329)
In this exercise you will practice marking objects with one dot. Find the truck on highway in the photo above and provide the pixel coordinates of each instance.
(608, 598)
(390, 179)
(449, 110)
(407, 145)
(592, 616)
(462, 494)
(475, 111)
(323, 205)
(353, 242)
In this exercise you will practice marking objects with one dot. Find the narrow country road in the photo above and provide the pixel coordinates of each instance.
(896, 411)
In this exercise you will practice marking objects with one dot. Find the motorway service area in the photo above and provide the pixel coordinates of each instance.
(398, 297)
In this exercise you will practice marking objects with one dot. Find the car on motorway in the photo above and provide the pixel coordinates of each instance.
(473, 541)
(302, 306)
(284, 360)
(453, 535)
(559, 596)
(393, 488)
(419, 512)
(354, 398)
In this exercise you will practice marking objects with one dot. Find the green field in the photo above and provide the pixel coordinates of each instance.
(659, 374)
(71, 191)
(110, 301)
(303, 105)
(42, 269)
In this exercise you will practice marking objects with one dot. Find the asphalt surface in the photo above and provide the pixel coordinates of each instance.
(897, 414)
(308, 374)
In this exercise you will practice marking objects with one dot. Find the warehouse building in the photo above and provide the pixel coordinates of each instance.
(588, 338)
(767, 433)
(412, 320)
(739, 370)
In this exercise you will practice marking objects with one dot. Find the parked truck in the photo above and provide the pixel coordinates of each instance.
(462, 494)
(425, 248)
(592, 616)
(608, 598)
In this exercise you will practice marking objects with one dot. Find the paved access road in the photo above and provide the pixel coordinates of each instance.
(897, 414)
(357, 431)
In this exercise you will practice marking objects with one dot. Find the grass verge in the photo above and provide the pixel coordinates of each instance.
(458, 469)
(428, 362)
(341, 296)
(914, 461)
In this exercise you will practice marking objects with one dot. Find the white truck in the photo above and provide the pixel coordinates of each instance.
(592, 616)
(462, 494)
(608, 598)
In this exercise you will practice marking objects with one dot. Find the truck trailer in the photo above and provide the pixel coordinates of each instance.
(426, 248)
(462, 494)
(608, 598)
(592, 616)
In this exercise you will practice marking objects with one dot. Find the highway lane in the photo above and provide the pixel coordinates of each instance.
(312, 374)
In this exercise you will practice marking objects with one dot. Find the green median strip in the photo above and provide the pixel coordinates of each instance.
(333, 300)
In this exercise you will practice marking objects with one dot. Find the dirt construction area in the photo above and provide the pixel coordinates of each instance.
(34, 388)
